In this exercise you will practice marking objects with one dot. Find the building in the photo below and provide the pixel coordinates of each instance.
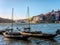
(39, 19)
(35, 19)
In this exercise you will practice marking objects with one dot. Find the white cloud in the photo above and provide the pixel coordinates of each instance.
(15, 17)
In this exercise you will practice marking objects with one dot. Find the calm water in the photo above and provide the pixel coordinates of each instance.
(45, 28)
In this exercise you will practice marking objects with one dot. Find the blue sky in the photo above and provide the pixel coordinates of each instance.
(36, 7)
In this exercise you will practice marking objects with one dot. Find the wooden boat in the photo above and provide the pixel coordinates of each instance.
(39, 35)
(14, 35)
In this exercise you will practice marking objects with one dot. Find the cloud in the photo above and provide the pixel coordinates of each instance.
(9, 16)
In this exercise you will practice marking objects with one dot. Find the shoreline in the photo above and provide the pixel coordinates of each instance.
(30, 23)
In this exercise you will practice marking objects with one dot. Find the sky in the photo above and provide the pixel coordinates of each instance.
(36, 7)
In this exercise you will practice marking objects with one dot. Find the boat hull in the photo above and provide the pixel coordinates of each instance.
(2, 31)
(14, 36)
(45, 36)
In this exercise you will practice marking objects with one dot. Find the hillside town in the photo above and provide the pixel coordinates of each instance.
(50, 17)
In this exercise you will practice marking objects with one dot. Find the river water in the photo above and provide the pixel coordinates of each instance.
(45, 28)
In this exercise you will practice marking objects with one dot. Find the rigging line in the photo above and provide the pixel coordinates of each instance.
(28, 16)
(12, 19)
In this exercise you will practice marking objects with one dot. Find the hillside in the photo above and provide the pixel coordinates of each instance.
(3, 20)
(50, 17)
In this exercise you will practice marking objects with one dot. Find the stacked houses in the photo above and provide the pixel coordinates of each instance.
(51, 17)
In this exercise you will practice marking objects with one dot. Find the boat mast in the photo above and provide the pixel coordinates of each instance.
(12, 19)
(28, 17)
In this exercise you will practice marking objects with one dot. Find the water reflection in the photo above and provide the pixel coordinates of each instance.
(17, 42)
(45, 41)
(31, 41)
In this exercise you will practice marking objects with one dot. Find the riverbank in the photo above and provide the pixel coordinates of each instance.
(26, 23)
